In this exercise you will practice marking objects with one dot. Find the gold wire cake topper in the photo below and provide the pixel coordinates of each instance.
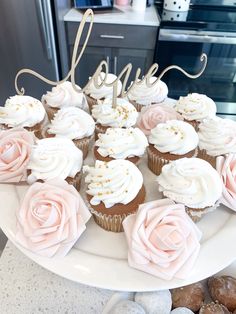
(100, 81)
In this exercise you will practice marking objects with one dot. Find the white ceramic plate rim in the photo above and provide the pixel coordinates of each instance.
(110, 273)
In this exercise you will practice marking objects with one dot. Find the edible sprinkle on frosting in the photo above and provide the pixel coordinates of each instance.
(175, 137)
(123, 115)
(196, 107)
(22, 111)
(113, 182)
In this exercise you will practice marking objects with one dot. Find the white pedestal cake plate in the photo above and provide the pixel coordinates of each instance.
(99, 258)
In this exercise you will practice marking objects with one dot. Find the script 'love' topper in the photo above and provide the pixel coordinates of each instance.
(103, 67)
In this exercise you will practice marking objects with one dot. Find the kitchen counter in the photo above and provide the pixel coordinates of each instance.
(125, 15)
(26, 288)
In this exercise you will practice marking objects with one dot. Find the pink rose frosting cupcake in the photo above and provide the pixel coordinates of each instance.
(226, 167)
(51, 218)
(162, 239)
(151, 116)
(15, 150)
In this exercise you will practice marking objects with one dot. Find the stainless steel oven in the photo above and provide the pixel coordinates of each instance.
(213, 31)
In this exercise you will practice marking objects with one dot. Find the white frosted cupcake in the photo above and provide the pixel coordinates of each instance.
(195, 108)
(23, 111)
(75, 124)
(217, 137)
(170, 141)
(141, 95)
(94, 94)
(118, 143)
(61, 96)
(192, 182)
(124, 115)
(55, 158)
(115, 190)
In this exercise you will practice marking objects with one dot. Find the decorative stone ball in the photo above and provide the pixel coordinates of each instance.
(223, 290)
(127, 306)
(155, 302)
(191, 296)
(213, 308)
(181, 310)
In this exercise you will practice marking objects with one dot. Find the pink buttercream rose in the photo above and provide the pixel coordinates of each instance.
(152, 115)
(162, 239)
(226, 167)
(51, 218)
(15, 150)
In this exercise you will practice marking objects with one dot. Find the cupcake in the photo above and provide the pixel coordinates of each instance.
(192, 182)
(194, 108)
(115, 190)
(94, 94)
(61, 96)
(118, 143)
(141, 95)
(124, 115)
(75, 124)
(170, 141)
(151, 116)
(25, 112)
(217, 137)
(55, 158)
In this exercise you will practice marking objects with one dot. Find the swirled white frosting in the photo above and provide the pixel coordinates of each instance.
(104, 91)
(145, 95)
(196, 107)
(123, 115)
(217, 136)
(174, 136)
(72, 123)
(117, 181)
(54, 158)
(22, 111)
(190, 181)
(121, 143)
(64, 95)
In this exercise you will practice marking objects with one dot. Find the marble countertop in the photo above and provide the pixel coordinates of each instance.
(27, 288)
(121, 15)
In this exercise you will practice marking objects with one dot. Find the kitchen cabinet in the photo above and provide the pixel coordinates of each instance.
(117, 44)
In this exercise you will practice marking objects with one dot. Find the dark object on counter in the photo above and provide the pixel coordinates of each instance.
(191, 296)
(93, 4)
(213, 308)
(223, 290)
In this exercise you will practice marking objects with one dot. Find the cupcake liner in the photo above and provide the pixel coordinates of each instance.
(100, 129)
(51, 111)
(196, 214)
(113, 222)
(202, 153)
(75, 181)
(91, 102)
(136, 105)
(83, 144)
(193, 123)
(156, 162)
(109, 222)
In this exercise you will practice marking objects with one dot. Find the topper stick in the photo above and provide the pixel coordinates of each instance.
(114, 95)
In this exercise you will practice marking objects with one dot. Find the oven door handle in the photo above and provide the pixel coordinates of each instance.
(195, 38)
